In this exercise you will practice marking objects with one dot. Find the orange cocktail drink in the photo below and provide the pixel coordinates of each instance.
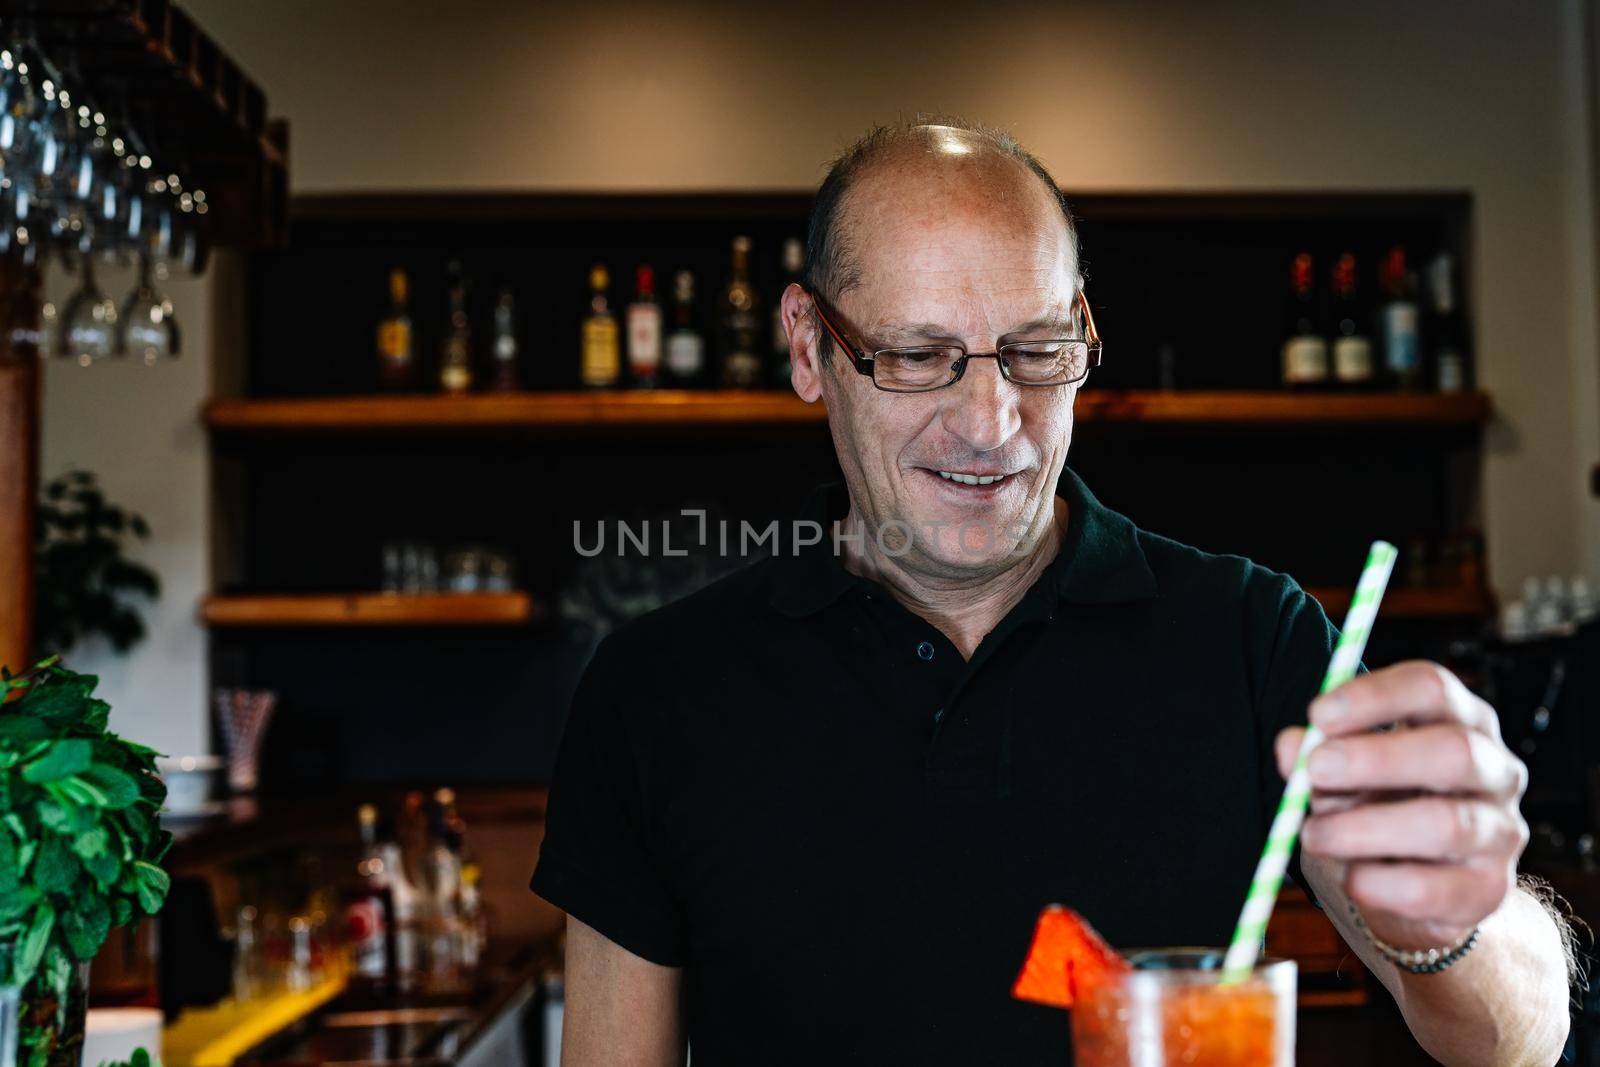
(1170, 1007)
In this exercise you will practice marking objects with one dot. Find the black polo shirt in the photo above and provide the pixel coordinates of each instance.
(795, 789)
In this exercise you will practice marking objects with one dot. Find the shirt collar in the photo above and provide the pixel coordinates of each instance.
(1101, 560)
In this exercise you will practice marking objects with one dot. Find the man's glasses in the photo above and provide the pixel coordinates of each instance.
(921, 368)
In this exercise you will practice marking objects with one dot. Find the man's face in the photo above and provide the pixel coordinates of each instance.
(969, 250)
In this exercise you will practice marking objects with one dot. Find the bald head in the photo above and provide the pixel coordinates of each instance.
(924, 175)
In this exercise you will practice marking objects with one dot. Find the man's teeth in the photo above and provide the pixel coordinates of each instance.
(971, 479)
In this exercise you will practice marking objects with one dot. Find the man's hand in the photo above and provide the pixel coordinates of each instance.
(1421, 823)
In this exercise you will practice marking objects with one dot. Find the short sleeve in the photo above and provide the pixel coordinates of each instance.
(597, 861)
(1295, 651)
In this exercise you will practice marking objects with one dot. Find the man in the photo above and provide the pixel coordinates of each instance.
(809, 814)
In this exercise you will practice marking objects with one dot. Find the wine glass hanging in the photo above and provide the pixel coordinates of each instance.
(86, 187)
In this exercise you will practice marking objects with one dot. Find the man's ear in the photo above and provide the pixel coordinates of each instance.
(801, 326)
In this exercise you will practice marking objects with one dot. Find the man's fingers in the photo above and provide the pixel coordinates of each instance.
(1429, 828)
(1443, 758)
(1285, 748)
(1448, 893)
(1413, 692)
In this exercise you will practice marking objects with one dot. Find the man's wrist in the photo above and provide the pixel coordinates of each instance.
(1417, 960)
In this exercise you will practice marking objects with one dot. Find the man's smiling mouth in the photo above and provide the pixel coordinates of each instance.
(970, 479)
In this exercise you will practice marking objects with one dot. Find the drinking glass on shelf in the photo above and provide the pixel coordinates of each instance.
(91, 319)
(498, 574)
(148, 328)
(463, 570)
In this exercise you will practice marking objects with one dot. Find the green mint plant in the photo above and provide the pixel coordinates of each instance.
(80, 846)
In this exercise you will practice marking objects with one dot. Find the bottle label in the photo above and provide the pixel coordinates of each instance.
(686, 354)
(394, 342)
(366, 926)
(1352, 359)
(1452, 372)
(644, 338)
(1400, 351)
(1305, 359)
(602, 362)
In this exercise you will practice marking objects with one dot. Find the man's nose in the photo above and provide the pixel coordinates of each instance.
(983, 408)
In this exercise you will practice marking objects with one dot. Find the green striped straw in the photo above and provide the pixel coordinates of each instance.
(1247, 936)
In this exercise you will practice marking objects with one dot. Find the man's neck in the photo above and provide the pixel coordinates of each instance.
(965, 609)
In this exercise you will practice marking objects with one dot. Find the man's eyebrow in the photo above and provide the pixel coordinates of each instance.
(892, 335)
(899, 335)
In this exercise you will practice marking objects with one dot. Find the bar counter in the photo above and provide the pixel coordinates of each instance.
(488, 1023)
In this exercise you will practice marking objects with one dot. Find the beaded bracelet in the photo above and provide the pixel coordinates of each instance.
(1416, 960)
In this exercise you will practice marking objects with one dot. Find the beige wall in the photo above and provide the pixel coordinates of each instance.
(1126, 96)
(136, 427)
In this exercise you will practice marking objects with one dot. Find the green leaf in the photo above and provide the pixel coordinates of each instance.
(60, 760)
(153, 886)
(82, 792)
(34, 942)
(54, 816)
(91, 843)
(17, 730)
(104, 867)
(15, 903)
(10, 871)
(56, 699)
(120, 789)
(121, 910)
(55, 868)
(85, 925)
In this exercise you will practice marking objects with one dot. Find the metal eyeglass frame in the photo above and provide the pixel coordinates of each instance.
(864, 362)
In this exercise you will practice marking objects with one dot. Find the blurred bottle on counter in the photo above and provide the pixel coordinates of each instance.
(370, 928)
(602, 353)
(442, 877)
(455, 351)
(644, 331)
(794, 261)
(1352, 348)
(474, 923)
(1305, 345)
(397, 356)
(1402, 355)
(738, 322)
(410, 906)
(686, 349)
(1443, 329)
(507, 376)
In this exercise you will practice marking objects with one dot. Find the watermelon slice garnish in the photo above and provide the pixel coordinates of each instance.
(1067, 958)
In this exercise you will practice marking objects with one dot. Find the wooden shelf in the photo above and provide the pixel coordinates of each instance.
(731, 408)
(1400, 603)
(369, 609)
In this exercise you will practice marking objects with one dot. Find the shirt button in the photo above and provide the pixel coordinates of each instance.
(925, 650)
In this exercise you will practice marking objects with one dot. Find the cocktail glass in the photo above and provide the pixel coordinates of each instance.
(1172, 1008)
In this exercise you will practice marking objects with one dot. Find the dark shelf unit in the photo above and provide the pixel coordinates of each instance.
(315, 470)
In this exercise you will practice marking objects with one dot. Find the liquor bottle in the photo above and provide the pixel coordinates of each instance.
(794, 261)
(1443, 327)
(1305, 347)
(1352, 348)
(369, 907)
(741, 365)
(1401, 355)
(455, 352)
(505, 379)
(644, 331)
(602, 356)
(686, 349)
(405, 860)
(397, 357)
(443, 882)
